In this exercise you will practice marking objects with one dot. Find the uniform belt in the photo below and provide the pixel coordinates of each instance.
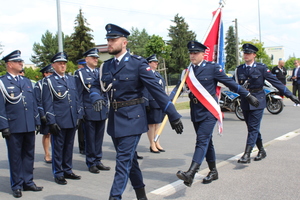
(120, 104)
(254, 90)
(195, 100)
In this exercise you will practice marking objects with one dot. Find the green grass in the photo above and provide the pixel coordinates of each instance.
(182, 105)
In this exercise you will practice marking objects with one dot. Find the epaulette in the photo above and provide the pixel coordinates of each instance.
(137, 57)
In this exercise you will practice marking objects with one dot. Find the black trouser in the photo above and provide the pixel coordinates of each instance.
(296, 87)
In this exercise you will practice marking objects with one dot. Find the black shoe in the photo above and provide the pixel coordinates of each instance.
(72, 176)
(152, 151)
(140, 157)
(103, 167)
(47, 161)
(17, 193)
(161, 150)
(61, 180)
(211, 176)
(93, 169)
(261, 155)
(32, 188)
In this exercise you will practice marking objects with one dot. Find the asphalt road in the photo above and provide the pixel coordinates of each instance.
(275, 177)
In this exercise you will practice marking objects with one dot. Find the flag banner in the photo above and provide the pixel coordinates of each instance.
(212, 38)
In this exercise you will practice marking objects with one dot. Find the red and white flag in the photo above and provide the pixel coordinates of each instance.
(212, 37)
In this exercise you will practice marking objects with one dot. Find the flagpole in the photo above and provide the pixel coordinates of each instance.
(161, 127)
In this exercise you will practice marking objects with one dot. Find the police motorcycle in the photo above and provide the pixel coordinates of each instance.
(230, 101)
(274, 101)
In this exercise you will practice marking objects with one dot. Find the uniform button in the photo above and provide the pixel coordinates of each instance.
(138, 115)
(25, 108)
(126, 78)
(70, 106)
(114, 79)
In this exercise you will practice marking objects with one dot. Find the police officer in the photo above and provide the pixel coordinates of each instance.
(94, 121)
(81, 127)
(123, 78)
(46, 71)
(60, 102)
(154, 113)
(19, 119)
(207, 75)
(252, 75)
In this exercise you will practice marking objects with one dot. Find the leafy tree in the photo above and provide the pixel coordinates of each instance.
(81, 40)
(230, 48)
(289, 64)
(156, 45)
(33, 74)
(137, 42)
(46, 50)
(180, 35)
(261, 55)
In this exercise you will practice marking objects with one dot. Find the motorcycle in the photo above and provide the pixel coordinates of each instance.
(274, 101)
(230, 101)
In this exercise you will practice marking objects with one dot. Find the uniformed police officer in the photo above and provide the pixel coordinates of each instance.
(60, 102)
(154, 112)
(46, 71)
(81, 127)
(207, 75)
(252, 75)
(19, 119)
(124, 78)
(94, 121)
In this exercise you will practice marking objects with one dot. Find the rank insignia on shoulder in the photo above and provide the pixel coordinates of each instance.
(126, 59)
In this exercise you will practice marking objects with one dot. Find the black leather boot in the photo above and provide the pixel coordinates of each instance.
(188, 176)
(246, 157)
(261, 151)
(112, 198)
(212, 175)
(140, 194)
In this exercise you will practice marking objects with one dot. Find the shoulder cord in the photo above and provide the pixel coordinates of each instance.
(81, 78)
(54, 92)
(7, 97)
(101, 82)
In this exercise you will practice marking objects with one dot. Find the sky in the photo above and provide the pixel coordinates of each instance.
(22, 23)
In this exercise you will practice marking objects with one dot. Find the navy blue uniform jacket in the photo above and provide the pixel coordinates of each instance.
(60, 101)
(259, 72)
(128, 81)
(23, 116)
(84, 80)
(209, 74)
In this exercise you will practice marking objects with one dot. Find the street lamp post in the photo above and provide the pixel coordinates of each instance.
(59, 33)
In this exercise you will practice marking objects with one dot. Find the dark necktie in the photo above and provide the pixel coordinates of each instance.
(18, 80)
(116, 63)
(64, 79)
(248, 70)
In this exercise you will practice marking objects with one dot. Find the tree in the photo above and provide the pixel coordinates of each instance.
(180, 36)
(137, 42)
(81, 40)
(46, 50)
(261, 55)
(156, 45)
(230, 48)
